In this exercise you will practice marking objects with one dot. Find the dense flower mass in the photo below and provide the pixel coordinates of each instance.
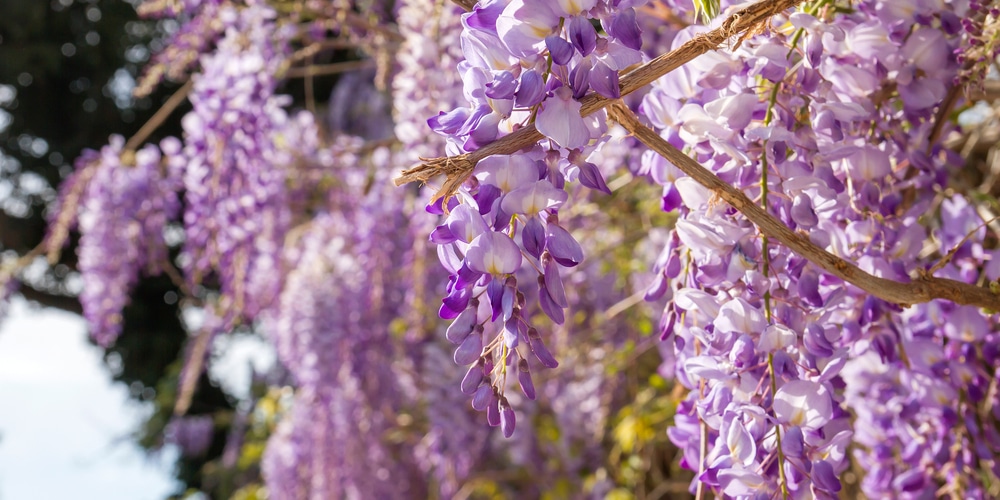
(784, 379)
(760, 334)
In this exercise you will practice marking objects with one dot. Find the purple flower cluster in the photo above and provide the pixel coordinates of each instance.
(121, 218)
(980, 47)
(236, 211)
(523, 61)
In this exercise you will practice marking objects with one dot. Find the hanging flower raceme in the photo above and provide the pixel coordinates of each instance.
(122, 212)
(236, 210)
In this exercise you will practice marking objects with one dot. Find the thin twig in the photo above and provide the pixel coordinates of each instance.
(159, 117)
(329, 69)
(742, 24)
(954, 250)
(8, 271)
(923, 289)
(59, 230)
(309, 87)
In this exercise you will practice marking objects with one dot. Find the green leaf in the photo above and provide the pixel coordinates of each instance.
(706, 10)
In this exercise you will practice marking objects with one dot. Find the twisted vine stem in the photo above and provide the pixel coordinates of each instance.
(922, 289)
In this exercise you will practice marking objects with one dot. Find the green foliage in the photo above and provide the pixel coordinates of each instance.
(706, 10)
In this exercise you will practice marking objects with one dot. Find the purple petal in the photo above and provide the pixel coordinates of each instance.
(533, 198)
(815, 341)
(743, 353)
(559, 119)
(808, 289)
(583, 35)
(539, 350)
(740, 482)
(507, 419)
(591, 177)
(531, 91)
(604, 81)
(671, 198)
(462, 326)
(579, 78)
(824, 477)
(560, 50)
(562, 246)
(473, 378)
(484, 15)
(868, 163)
(742, 446)
(802, 211)
(502, 86)
(436, 207)
(495, 291)
(522, 25)
(466, 277)
(484, 132)
(533, 237)
(735, 111)
(510, 332)
(487, 195)
(442, 235)
(501, 219)
(507, 172)
(524, 379)
(469, 351)
(508, 297)
(549, 307)
(803, 403)
(493, 410)
(482, 397)
(657, 289)
(616, 55)
(928, 49)
(466, 223)
(793, 442)
(667, 326)
(449, 123)
(494, 253)
(625, 29)
(455, 302)
(553, 282)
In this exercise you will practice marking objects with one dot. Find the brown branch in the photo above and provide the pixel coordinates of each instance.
(49, 299)
(467, 5)
(923, 289)
(192, 371)
(742, 24)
